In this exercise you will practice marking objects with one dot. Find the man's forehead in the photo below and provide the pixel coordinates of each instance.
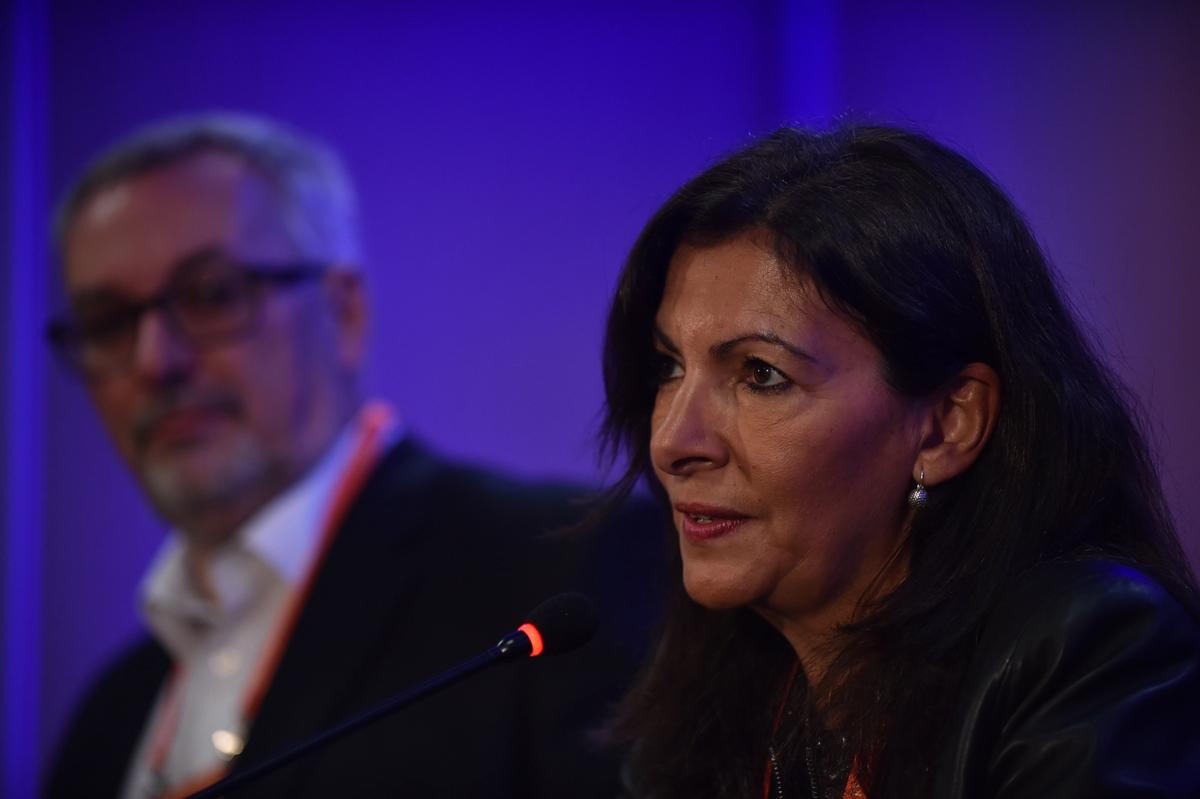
(205, 175)
(106, 204)
(132, 233)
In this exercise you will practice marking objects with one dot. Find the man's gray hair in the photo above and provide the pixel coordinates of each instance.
(315, 196)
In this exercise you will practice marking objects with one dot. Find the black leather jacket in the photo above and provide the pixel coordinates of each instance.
(1085, 683)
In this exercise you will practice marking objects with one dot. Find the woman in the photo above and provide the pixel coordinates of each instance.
(923, 550)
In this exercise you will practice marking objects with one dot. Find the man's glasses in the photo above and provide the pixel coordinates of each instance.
(207, 301)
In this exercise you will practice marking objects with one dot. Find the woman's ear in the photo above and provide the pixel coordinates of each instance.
(962, 418)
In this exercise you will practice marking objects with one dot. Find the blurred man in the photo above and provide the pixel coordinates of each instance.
(319, 558)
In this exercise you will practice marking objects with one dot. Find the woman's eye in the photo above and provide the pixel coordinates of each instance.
(666, 368)
(761, 375)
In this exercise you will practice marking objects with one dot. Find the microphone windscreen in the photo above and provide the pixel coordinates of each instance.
(566, 622)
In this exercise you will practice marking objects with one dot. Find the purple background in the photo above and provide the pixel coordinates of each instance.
(506, 156)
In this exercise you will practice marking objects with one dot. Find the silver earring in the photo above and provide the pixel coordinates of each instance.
(919, 497)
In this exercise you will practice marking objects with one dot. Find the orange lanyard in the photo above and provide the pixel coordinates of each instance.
(853, 789)
(374, 424)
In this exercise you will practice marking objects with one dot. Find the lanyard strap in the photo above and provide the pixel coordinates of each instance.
(374, 424)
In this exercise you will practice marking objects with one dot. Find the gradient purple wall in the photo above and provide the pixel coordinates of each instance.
(507, 157)
(1089, 115)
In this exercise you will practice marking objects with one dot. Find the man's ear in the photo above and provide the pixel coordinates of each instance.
(348, 301)
(960, 423)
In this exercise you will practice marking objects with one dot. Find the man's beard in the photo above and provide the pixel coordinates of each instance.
(193, 491)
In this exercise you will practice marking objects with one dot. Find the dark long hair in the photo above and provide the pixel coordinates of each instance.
(926, 257)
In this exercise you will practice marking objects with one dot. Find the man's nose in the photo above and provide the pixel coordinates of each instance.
(161, 351)
(686, 434)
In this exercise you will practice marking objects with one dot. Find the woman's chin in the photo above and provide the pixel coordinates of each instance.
(716, 592)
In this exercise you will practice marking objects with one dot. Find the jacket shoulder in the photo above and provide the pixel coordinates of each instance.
(1084, 681)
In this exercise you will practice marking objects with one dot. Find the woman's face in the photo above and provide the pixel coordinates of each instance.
(786, 457)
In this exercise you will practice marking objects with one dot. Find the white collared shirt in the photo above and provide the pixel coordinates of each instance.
(218, 644)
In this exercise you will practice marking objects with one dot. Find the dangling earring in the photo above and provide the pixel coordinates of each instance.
(919, 497)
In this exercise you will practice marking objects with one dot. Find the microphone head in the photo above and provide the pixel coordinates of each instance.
(565, 622)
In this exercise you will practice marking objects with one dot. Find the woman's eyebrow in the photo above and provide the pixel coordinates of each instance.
(665, 341)
(722, 349)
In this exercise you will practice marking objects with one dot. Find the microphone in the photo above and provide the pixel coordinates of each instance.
(560, 624)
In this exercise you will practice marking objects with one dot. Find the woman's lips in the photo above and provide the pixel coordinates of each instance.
(704, 522)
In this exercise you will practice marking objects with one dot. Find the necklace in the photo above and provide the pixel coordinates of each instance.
(775, 771)
(815, 783)
(812, 771)
(828, 765)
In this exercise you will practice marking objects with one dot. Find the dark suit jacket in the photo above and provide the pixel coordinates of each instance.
(431, 566)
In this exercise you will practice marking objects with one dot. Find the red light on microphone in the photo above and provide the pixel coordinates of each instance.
(535, 639)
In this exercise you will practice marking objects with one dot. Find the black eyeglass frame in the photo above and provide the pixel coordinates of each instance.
(67, 337)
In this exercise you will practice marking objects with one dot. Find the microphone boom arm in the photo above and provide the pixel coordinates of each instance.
(516, 644)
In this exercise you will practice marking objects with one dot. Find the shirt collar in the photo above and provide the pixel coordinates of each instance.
(284, 534)
(275, 546)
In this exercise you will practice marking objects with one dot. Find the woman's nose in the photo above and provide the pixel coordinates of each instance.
(685, 430)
